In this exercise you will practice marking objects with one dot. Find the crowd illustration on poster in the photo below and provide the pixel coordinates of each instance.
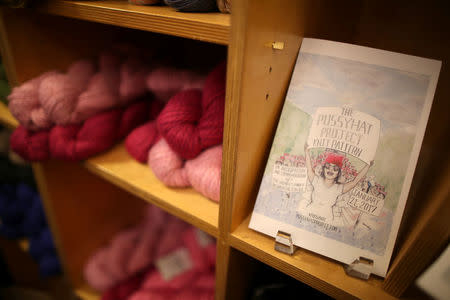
(341, 163)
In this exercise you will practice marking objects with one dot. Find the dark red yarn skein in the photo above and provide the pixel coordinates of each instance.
(193, 121)
(78, 142)
(30, 145)
(141, 139)
(210, 125)
(178, 121)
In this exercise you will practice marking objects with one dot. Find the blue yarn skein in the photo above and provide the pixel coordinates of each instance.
(22, 214)
(15, 200)
(34, 221)
(49, 265)
(193, 5)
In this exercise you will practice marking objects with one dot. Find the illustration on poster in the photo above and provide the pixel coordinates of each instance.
(326, 187)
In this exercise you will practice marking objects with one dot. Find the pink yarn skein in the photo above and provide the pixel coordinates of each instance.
(203, 172)
(165, 82)
(102, 90)
(167, 165)
(59, 92)
(135, 249)
(133, 76)
(25, 106)
(195, 283)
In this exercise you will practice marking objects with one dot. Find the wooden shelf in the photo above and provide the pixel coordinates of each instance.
(208, 27)
(119, 168)
(6, 118)
(315, 270)
(85, 292)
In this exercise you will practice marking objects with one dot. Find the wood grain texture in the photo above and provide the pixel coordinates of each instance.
(209, 27)
(319, 272)
(429, 235)
(119, 168)
(21, 266)
(5, 50)
(261, 76)
(38, 43)
(416, 28)
(85, 292)
(261, 81)
(83, 212)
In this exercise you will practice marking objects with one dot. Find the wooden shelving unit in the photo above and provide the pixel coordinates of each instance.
(6, 118)
(313, 269)
(119, 168)
(108, 190)
(212, 27)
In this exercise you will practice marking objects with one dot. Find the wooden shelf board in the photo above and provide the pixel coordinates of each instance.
(6, 118)
(85, 292)
(209, 27)
(315, 270)
(119, 168)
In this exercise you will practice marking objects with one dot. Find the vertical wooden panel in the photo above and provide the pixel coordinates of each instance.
(259, 79)
(429, 235)
(83, 212)
(35, 46)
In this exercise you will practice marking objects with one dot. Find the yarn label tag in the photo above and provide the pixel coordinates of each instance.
(203, 239)
(174, 264)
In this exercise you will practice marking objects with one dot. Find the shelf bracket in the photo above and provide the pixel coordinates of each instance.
(275, 45)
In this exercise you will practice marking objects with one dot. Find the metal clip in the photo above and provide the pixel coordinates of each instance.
(283, 243)
(360, 268)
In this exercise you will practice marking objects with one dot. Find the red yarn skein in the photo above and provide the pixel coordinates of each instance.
(98, 133)
(210, 126)
(32, 146)
(193, 121)
(141, 139)
(178, 121)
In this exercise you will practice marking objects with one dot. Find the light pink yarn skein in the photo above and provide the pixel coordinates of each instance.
(167, 165)
(25, 106)
(165, 82)
(102, 90)
(58, 94)
(203, 172)
(133, 76)
(153, 226)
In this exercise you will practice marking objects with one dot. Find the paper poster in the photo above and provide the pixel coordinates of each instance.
(345, 150)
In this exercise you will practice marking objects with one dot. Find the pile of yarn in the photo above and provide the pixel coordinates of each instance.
(195, 281)
(22, 216)
(193, 5)
(182, 5)
(82, 112)
(183, 147)
(120, 268)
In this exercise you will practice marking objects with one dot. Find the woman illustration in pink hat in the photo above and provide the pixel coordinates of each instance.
(327, 188)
